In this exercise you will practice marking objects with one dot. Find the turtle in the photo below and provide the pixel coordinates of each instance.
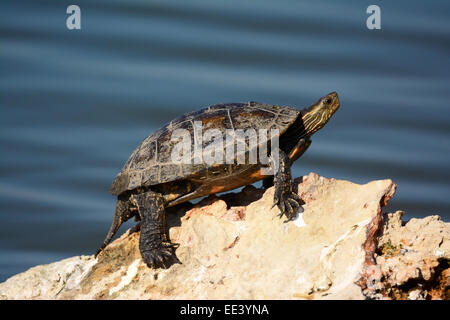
(151, 181)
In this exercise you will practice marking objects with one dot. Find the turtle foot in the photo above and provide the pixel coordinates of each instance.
(288, 203)
(160, 257)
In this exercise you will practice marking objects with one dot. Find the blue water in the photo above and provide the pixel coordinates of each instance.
(75, 104)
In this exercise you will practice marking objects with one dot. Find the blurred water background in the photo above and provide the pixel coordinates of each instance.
(75, 104)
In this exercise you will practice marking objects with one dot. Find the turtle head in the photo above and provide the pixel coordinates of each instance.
(317, 115)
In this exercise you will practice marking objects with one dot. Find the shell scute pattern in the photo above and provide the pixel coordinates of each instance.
(151, 162)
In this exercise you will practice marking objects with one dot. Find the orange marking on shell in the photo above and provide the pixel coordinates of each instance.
(216, 189)
(256, 174)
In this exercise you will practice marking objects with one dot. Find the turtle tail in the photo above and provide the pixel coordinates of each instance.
(121, 215)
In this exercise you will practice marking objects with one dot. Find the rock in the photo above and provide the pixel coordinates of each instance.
(47, 281)
(413, 260)
(235, 247)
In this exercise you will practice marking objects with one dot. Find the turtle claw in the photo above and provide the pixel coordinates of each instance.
(172, 245)
(288, 203)
(159, 257)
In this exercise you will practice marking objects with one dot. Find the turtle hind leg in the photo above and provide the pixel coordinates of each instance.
(156, 250)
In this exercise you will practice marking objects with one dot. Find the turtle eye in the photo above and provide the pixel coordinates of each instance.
(328, 101)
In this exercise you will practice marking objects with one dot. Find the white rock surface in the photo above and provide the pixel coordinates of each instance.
(235, 247)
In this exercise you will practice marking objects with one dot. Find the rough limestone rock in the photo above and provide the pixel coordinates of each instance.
(412, 260)
(235, 247)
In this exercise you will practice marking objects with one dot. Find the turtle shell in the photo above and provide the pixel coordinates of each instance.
(151, 163)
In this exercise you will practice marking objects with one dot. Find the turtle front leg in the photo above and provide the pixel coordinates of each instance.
(299, 149)
(156, 250)
(287, 201)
